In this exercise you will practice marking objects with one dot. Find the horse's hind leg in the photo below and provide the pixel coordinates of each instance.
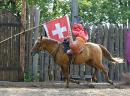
(104, 70)
(94, 76)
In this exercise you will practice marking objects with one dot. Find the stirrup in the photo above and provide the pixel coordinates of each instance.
(69, 52)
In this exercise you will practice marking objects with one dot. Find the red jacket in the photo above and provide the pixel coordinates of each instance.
(81, 37)
(78, 31)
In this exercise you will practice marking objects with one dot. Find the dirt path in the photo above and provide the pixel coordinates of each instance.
(57, 89)
(62, 92)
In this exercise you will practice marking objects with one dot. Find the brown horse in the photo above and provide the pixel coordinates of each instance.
(92, 55)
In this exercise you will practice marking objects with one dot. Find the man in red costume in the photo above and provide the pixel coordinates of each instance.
(81, 38)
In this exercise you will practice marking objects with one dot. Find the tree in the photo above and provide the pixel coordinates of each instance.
(92, 11)
(51, 9)
(22, 42)
(105, 11)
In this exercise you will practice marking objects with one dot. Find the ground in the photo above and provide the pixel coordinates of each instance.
(57, 89)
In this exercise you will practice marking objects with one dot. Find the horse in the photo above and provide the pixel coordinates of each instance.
(91, 55)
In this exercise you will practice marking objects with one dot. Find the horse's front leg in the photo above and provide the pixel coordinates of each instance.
(65, 70)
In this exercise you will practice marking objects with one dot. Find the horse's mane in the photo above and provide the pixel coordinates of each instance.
(51, 40)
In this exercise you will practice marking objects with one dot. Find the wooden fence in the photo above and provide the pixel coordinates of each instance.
(112, 37)
(9, 50)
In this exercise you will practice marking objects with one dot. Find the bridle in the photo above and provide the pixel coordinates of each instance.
(54, 51)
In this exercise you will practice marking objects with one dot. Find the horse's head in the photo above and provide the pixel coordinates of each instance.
(39, 46)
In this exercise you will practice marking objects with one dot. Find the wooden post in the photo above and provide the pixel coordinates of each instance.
(111, 49)
(74, 10)
(121, 51)
(22, 42)
(116, 49)
(36, 34)
(30, 42)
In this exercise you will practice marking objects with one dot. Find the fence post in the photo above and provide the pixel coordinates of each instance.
(36, 34)
(22, 42)
(74, 8)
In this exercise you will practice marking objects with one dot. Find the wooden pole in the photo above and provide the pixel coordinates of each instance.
(22, 42)
(31, 16)
(36, 34)
(74, 10)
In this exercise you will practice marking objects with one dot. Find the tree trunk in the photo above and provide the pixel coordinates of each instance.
(22, 42)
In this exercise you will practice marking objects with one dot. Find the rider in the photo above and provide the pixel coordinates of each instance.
(81, 37)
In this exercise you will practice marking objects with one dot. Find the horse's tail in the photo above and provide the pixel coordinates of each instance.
(108, 55)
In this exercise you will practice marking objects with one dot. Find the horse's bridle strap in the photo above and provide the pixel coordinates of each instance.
(55, 51)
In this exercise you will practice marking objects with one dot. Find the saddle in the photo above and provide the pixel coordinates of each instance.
(75, 47)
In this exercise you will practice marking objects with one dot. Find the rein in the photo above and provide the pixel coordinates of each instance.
(55, 51)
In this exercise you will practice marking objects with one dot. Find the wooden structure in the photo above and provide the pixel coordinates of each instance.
(112, 37)
(22, 41)
(9, 50)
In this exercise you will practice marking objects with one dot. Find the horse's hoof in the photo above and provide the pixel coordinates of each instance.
(111, 82)
(94, 80)
(78, 82)
(91, 86)
(66, 86)
(75, 81)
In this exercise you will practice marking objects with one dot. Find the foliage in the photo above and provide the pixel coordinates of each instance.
(27, 77)
(51, 9)
(92, 11)
(12, 6)
(105, 11)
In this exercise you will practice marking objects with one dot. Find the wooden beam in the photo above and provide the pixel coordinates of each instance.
(74, 10)
(22, 42)
(36, 15)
